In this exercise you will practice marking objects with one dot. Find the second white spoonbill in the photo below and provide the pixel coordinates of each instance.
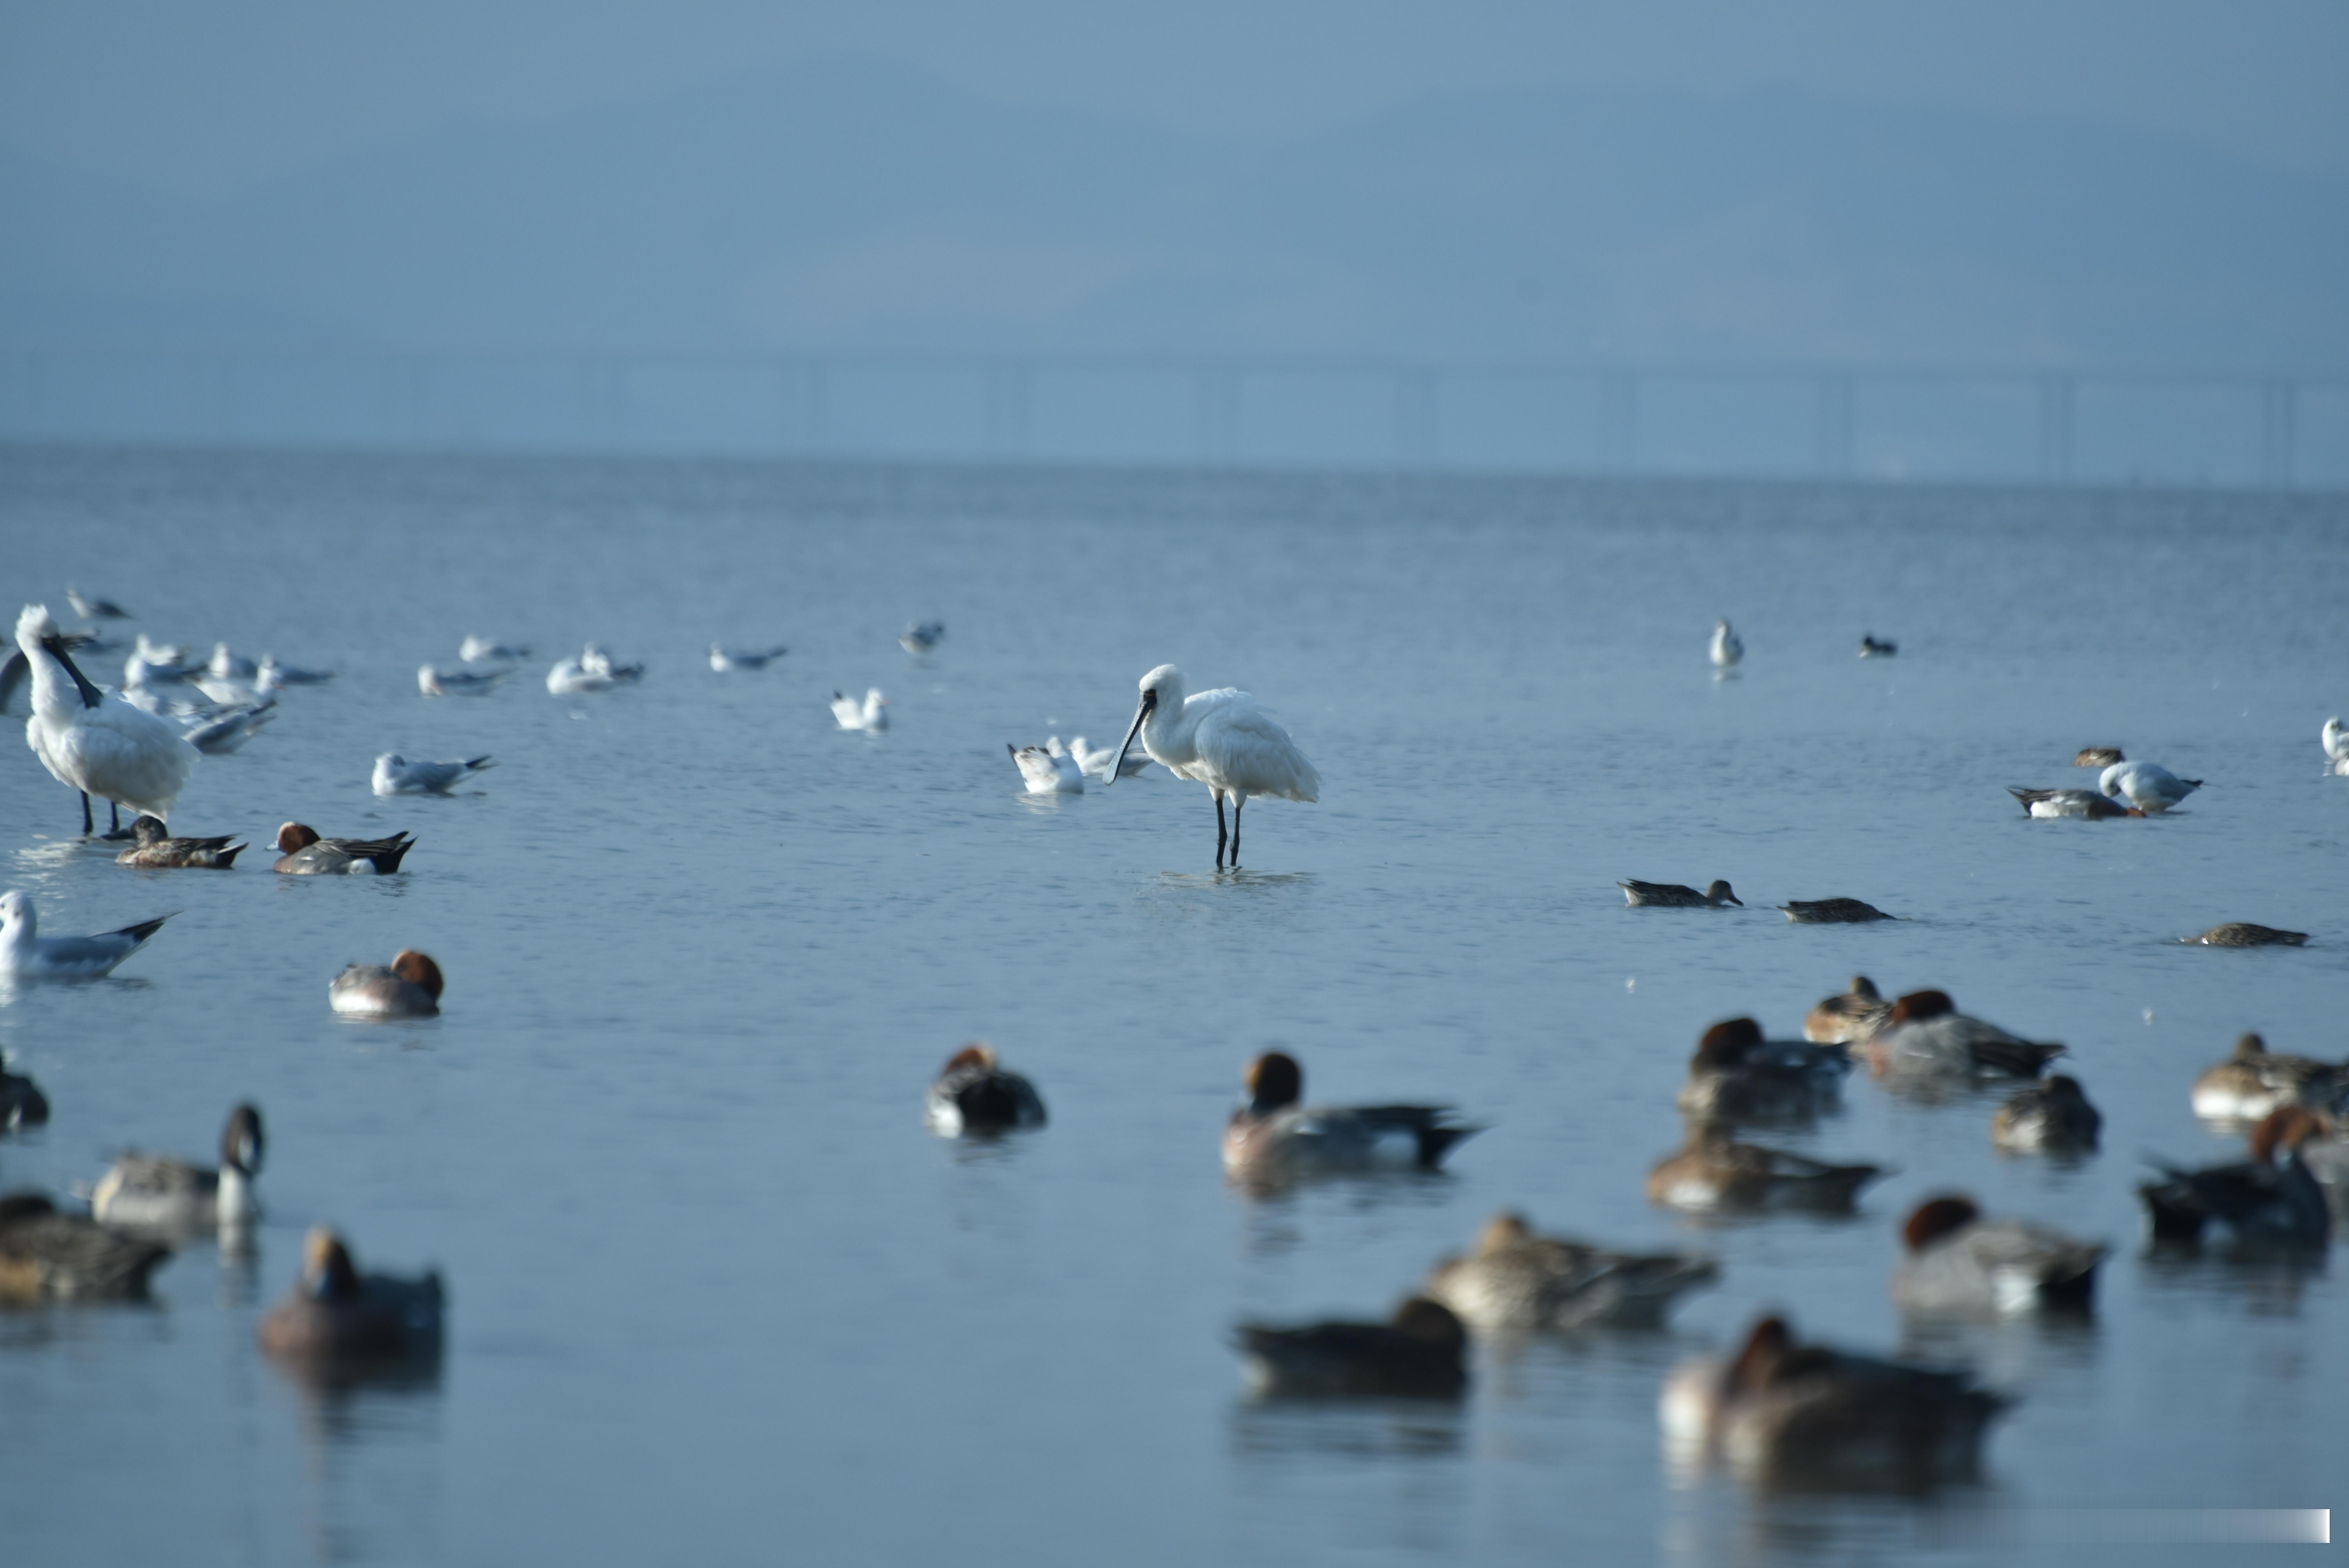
(1221, 738)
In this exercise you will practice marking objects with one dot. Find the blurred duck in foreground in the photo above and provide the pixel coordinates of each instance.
(156, 1192)
(46, 1255)
(1673, 895)
(2047, 804)
(1927, 1037)
(1957, 1262)
(974, 1093)
(1831, 912)
(1420, 1353)
(22, 1103)
(409, 988)
(1738, 1076)
(1519, 1282)
(303, 854)
(2050, 1117)
(2147, 786)
(1804, 1415)
(1714, 1173)
(2244, 934)
(335, 1313)
(1849, 1018)
(1274, 1135)
(2254, 1081)
(2271, 1200)
(24, 954)
(156, 848)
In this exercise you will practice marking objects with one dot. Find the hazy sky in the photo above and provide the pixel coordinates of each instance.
(201, 97)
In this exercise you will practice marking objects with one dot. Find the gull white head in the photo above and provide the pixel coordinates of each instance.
(18, 920)
(2109, 780)
(1161, 689)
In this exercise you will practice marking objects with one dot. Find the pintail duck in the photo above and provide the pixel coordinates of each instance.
(396, 775)
(1849, 1018)
(1956, 1261)
(2098, 757)
(2255, 1080)
(46, 1255)
(1831, 912)
(1420, 1353)
(1275, 1135)
(157, 848)
(1927, 1036)
(2145, 785)
(2048, 804)
(409, 988)
(26, 955)
(156, 1192)
(336, 1314)
(2272, 1200)
(22, 1103)
(1673, 895)
(1784, 1412)
(1047, 770)
(974, 1093)
(1713, 1172)
(2049, 1118)
(2244, 934)
(303, 854)
(1875, 648)
(1738, 1076)
(1517, 1281)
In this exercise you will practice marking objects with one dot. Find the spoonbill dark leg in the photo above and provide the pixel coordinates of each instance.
(88, 826)
(114, 822)
(1222, 837)
(1238, 801)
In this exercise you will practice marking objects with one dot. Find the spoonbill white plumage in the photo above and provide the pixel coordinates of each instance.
(27, 954)
(1726, 649)
(869, 715)
(1221, 738)
(1048, 769)
(110, 750)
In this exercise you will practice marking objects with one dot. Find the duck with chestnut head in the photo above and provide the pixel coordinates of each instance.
(1955, 1261)
(1274, 1134)
(409, 987)
(975, 1093)
(2271, 1201)
(1737, 1076)
(1927, 1037)
(301, 852)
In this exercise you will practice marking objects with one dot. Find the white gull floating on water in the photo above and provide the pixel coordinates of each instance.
(111, 749)
(1726, 649)
(1095, 761)
(721, 660)
(871, 715)
(474, 650)
(396, 775)
(434, 682)
(1048, 769)
(26, 955)
(2148, 787)
(592, 670)
(2336, 744)
(1221, 738)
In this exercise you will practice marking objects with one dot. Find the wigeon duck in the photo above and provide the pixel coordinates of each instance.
(1831, 912)
(2272, 1200)
(1673, 895)
(112, 749)
(1780, 1411)
(1094, 760)
(156, 848)
(156, 1192)
(26, 955)
(974, 1093)
(1738, 1076)
(1223, 738)
(1956, 1261)
(336, 1314)
(1519, 1282)
(592, 670)
(2049, 804)
(435, 682)
(922, 636)
(871, 715)
(1273, 1135)
(46, 1255)
(409, 988)
(2098, 757)
(94, 606)
(722, 660)
(1726, 649)
(1047, 770)
(396, 775)
(1848, 1019)
(1875, 648)
(1420, 1353)
(22, 1103)
(475, 650)
(1713, 1172)
(2244, 934)
(1928, 1037)
(2145, 785)
(2049, 1118)
(2255, 1080)
(303, 854)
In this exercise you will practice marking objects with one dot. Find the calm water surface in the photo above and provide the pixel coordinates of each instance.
(712, 1282)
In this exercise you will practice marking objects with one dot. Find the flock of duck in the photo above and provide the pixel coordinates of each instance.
(1776, 1408)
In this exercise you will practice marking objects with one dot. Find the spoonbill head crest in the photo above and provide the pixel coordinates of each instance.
(1161, 690)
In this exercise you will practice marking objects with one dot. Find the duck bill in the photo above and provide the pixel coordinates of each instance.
(1142, 712)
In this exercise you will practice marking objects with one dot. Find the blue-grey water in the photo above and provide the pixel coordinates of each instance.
(716, 1294)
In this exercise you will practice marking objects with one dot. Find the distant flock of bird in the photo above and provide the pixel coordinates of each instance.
(1777, 1407)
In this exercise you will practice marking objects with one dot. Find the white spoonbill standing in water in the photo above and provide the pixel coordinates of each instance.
(1223, 739)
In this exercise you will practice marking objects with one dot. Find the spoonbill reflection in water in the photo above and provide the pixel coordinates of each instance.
(1221, 739)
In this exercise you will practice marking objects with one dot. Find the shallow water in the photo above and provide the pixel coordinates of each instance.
(712, 1282)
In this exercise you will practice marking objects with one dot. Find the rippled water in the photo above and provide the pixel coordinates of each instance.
(711, 1282)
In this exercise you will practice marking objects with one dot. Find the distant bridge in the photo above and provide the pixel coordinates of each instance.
(1949, 422)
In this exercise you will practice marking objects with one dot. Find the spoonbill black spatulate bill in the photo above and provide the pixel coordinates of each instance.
(1221, 739)
(111, 749)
